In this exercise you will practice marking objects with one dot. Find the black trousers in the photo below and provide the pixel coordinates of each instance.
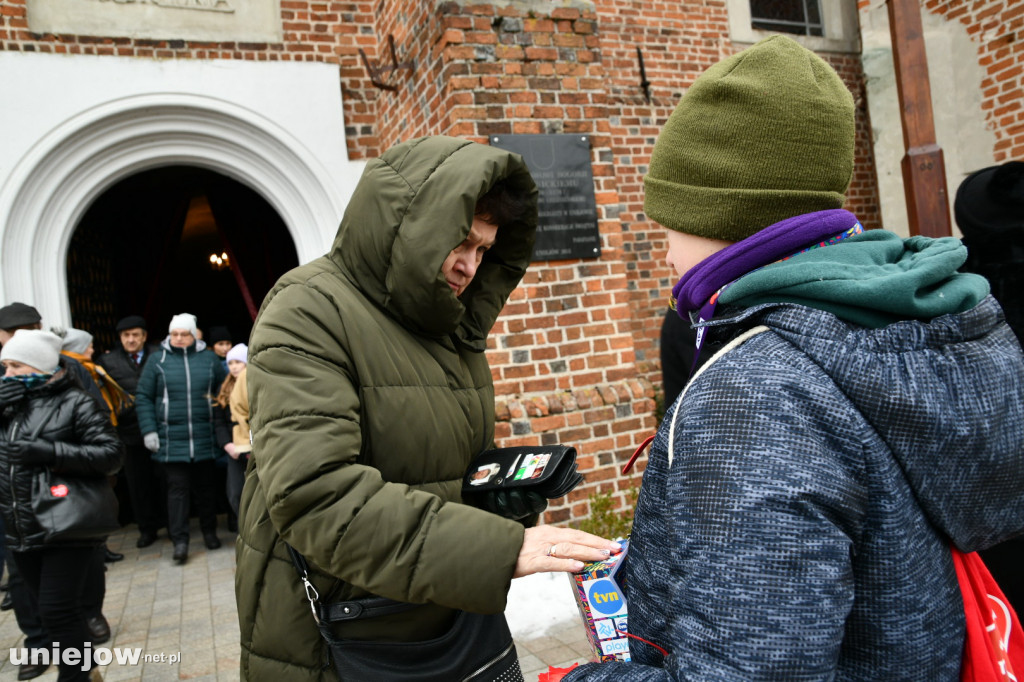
(26, 610)
(55, 576)
(236, 479)
(145, 488)
(183, 479)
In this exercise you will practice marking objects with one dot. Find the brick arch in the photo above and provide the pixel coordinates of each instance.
(54, 185)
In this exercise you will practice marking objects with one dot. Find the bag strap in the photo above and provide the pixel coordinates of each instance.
(342, 611)
(753, 331)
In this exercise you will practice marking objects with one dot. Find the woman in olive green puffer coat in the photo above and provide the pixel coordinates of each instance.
(369, 396)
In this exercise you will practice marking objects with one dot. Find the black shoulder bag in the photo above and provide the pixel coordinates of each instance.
(477, 648)
(69, 508)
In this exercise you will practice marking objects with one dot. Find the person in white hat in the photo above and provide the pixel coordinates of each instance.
(50, 423)
(175, 418)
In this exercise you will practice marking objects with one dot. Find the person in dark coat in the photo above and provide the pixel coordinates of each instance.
(370, 394)
(125, 365)
(989, 210)
(54, 425)
(13, 317)
(176, 419)
(218, 339)
(804, 495)
(23, 316)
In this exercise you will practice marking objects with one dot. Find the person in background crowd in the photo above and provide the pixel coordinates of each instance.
(370, 395)
(55, 425)
(23, 316)
(218, 339)
(77, 344)
(176, 420)
(803, 495)
(13, 317)
(17, 596)
(233, 424)
(125, 365)
(989, 210)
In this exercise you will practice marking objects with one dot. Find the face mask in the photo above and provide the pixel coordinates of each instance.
(30, 380)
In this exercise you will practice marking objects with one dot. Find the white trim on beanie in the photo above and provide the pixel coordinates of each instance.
(36, 348)
(183, 321)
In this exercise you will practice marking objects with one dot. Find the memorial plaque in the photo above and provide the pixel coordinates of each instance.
(208, 20)
(567, 212)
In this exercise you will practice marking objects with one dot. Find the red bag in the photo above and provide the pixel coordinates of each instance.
(994, 646)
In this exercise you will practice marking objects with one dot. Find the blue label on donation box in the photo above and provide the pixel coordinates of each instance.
(605, 598)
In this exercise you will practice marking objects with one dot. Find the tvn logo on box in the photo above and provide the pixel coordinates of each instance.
(604, 597)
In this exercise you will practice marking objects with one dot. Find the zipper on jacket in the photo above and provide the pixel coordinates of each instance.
(14, 498)
(489, 663)
(188, 407)
(166, 407)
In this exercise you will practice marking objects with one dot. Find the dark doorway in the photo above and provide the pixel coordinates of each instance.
(172, 240)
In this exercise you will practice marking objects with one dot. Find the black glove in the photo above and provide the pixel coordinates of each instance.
(11, 393)
(32, 452)
(514, 504)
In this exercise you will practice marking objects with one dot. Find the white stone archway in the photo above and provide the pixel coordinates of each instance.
(54, 182)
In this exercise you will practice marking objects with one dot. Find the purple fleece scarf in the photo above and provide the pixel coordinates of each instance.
(699, 287)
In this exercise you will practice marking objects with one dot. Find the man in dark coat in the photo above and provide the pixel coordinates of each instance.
(125, 365)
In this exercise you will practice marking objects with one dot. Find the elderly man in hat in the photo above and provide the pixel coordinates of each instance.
(125, 365)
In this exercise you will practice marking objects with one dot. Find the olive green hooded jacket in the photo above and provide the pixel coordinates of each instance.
(369, 395)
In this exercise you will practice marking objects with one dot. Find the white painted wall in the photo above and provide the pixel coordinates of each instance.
(75, 125)
(960, 129)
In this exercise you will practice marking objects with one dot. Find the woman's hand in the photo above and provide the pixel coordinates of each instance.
(231, 450)
(551, 549)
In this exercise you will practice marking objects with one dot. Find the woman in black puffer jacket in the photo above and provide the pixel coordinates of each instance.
(47, 421)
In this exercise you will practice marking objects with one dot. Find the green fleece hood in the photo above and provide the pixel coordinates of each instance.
(412, 206)
(873, 279)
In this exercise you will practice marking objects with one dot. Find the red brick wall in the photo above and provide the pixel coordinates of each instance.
(997, 26)
(678, 42)
(562, 353)
(575, 353)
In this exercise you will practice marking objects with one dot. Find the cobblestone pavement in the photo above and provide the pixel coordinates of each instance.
(183, 618)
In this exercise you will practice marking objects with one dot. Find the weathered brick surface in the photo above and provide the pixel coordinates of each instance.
(997, 27)
(575, 353)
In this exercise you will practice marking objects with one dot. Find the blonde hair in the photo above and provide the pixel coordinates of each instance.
(224, 395)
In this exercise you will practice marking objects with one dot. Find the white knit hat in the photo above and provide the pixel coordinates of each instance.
(183, 321)
(75, 340)
(238, 352)
(36, 348)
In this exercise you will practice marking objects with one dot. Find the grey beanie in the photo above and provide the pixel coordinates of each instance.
(34, 347)
(74, 340)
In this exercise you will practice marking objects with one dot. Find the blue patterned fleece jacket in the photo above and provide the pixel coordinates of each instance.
(800, 498)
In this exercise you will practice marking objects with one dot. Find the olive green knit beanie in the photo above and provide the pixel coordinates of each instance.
(763, 135)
